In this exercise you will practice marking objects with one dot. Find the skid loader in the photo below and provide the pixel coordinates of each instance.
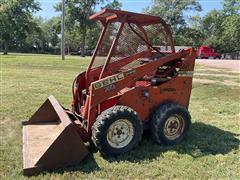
(135, 81)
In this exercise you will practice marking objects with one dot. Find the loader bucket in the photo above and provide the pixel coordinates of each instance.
(50, 140)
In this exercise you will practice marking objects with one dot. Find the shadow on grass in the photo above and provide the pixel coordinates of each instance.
(86, 166)
(202, 140)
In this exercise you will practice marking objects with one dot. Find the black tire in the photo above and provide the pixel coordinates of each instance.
(161, 118)
(104, 121)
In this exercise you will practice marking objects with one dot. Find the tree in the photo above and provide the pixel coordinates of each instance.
(72, 39)
(16, 21)
(172, 11)
(231, 33)
(52, 29)
(190, 36)
(43, 38)
(34, 40)
(113, 5)
(212, 29)
(77, 16)
(78, 23)
(231, 7)
(222, 28)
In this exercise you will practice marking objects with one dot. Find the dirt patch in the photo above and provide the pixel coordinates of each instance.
(203, 68)
(233, 65)
(231, 83)
(204, 81)
(208, 81)
(5, 121)
(7, 129)
(216, 75)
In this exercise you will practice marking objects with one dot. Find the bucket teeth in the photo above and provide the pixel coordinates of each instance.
(50, 140)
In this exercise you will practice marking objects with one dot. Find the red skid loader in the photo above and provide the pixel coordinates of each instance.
(135, 81)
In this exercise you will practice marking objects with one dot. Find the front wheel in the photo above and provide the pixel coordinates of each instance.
(117, 130)
(170, 124)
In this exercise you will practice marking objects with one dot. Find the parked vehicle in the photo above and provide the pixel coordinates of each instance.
(205, 52)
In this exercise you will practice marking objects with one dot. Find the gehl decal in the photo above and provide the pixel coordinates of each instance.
(108, 81)
(113, 79)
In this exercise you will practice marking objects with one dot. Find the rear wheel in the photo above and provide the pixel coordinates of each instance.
(170, 124)
(117, 130)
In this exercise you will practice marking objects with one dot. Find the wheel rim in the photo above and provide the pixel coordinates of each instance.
(120, 133)
(174, 126)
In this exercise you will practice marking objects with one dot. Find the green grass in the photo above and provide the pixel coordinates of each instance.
(210, 151)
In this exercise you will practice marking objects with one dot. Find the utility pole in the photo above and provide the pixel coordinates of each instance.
(62, 31)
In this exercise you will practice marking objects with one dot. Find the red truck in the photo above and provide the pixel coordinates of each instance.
(205, 52)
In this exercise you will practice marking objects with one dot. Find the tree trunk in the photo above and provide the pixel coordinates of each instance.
(5, 48)
(82, 45)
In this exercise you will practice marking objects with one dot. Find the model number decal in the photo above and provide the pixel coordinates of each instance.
(130, 72)
(110, 87)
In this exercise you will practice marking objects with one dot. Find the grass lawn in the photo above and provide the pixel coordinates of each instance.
(210, 151)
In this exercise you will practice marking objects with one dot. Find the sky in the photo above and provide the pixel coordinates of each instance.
(48, 10)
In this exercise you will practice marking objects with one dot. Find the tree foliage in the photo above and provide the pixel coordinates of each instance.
(172, 11)
(231, 7)
(222, 27)
(45, 39)
(81, 32)
(115, 4)
(218, 28)
(16, 21)
(231, 33)
(22, 32)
